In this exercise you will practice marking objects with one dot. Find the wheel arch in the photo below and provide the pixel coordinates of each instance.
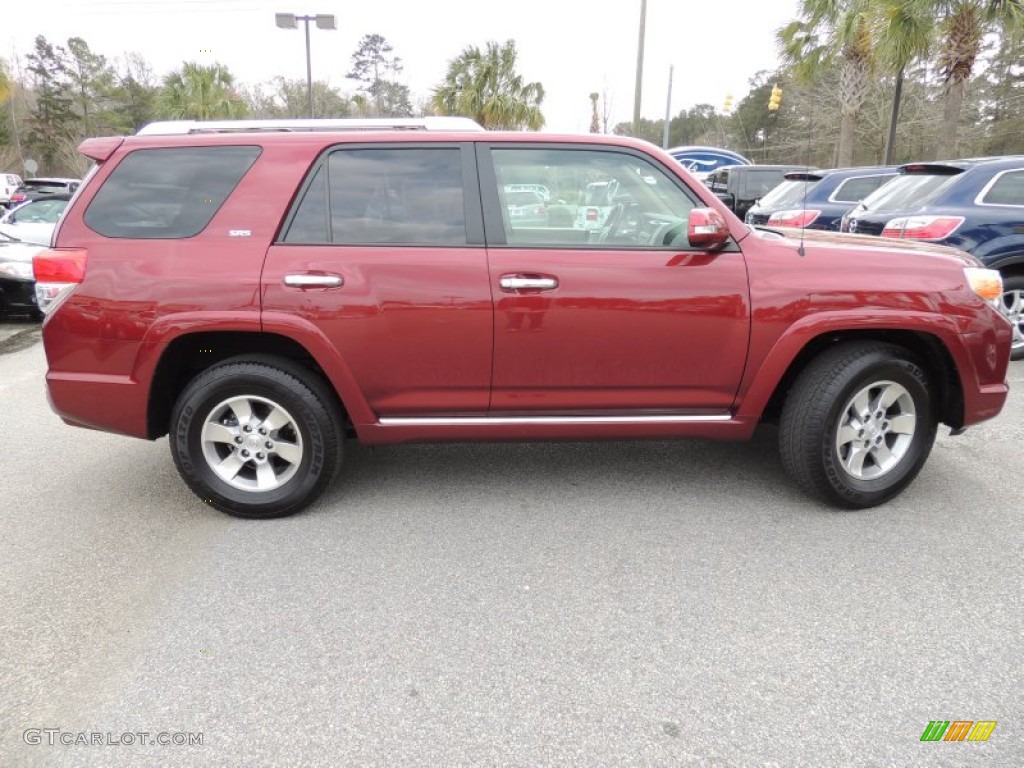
(926, 348)
(188, 355)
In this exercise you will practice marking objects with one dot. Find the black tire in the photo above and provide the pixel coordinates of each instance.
(1013, 290)
(314, 429)
(816, 409)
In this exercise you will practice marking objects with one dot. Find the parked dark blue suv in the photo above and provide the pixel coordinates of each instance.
(976, 205)
(818, 199)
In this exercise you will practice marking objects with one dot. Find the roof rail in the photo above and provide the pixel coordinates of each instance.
(432, 123)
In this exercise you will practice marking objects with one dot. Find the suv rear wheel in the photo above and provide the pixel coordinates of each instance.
(1013, 308)
(256, 439)
(858, 424)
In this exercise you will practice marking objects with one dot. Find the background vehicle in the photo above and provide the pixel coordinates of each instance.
(33, 222)
(976, 205)
(37, 189)
(17, 284)
(817, 199)
(264, 303)
(701, 161)
(740, 186)
(9, 184)
(526, 208)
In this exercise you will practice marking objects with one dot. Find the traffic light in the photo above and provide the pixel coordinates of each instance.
(727, 105)
(773, 102)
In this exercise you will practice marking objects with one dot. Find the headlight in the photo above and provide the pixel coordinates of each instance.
(987, 283)
(19, 269)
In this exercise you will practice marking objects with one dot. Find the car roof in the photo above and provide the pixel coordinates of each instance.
(820, 173)
(957, 166)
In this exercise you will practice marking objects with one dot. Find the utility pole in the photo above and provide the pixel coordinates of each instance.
(668, 110)
(639, 68)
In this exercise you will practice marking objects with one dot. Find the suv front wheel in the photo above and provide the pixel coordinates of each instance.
(858, 424)
(256, 439)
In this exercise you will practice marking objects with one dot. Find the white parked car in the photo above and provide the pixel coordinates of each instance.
(9, 183)
(34, 222)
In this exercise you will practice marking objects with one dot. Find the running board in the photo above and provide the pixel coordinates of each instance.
(483, 421)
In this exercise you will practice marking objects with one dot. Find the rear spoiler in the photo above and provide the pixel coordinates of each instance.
(937, 169)
(101, 147)
(803, 176)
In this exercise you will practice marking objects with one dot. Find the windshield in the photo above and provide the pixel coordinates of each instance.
(911, 190)
(787, 194)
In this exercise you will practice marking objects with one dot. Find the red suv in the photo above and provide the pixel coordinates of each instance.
(263, 290)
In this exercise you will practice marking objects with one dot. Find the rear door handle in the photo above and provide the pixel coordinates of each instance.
(313, 281)
(518, 282)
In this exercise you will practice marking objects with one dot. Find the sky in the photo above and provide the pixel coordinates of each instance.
(573, 47)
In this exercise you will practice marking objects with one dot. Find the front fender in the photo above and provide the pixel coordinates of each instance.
(760, 381)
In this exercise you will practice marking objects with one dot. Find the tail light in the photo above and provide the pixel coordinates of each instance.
(541, 210)
(57, 272)
(796, 217)
(922, 227)
(591, 214)
(19, 197)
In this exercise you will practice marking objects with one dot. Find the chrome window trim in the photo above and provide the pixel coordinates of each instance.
(832, 197)
(991, 183)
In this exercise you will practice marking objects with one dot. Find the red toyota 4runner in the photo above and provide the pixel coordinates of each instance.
(261, 291)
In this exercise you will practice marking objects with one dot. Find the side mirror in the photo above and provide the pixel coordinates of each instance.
(707, 228)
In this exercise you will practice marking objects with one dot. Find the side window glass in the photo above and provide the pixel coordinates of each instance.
(397, 196)
(1008, 190)
(856, 189)
(597, 199)
(309, 225)
(167, 193)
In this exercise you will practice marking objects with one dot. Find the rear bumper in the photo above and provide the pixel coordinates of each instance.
(96, 401)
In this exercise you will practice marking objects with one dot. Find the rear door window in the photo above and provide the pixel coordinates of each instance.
(167, 193)
(855, 189)
(385, 196)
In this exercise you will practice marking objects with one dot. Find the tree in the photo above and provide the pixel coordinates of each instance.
(200, 92)
(904, 35)
(289, 98)
(135, 94)
(92, 81)
(835, 33)
(595, 121)
(484, 85)
(52, 122)
(375, 67)
(963, 25)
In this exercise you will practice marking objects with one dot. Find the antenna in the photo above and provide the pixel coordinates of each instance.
(803, 207)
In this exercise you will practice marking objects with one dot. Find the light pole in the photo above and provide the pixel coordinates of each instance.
(639, 68)
(290, 21)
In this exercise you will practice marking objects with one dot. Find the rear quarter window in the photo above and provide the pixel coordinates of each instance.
(1007, 189)
(167, 193)
(855, 189)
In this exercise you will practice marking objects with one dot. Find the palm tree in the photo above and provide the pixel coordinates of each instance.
(829, 33)
(484, 85)
(904, 34)
(963, 24)
(197, 92)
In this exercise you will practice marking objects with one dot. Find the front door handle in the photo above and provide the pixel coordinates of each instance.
(313, 281)
(518, 282)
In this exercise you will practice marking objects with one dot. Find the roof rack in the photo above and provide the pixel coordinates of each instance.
(433, 123)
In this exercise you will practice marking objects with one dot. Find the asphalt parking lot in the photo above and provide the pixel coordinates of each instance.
(579, 604)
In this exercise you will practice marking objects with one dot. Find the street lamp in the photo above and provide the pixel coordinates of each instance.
(290, 21)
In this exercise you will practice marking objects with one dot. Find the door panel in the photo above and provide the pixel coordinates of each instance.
(625, 317)
(413, 324)
(623, 330)
(384, 254)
